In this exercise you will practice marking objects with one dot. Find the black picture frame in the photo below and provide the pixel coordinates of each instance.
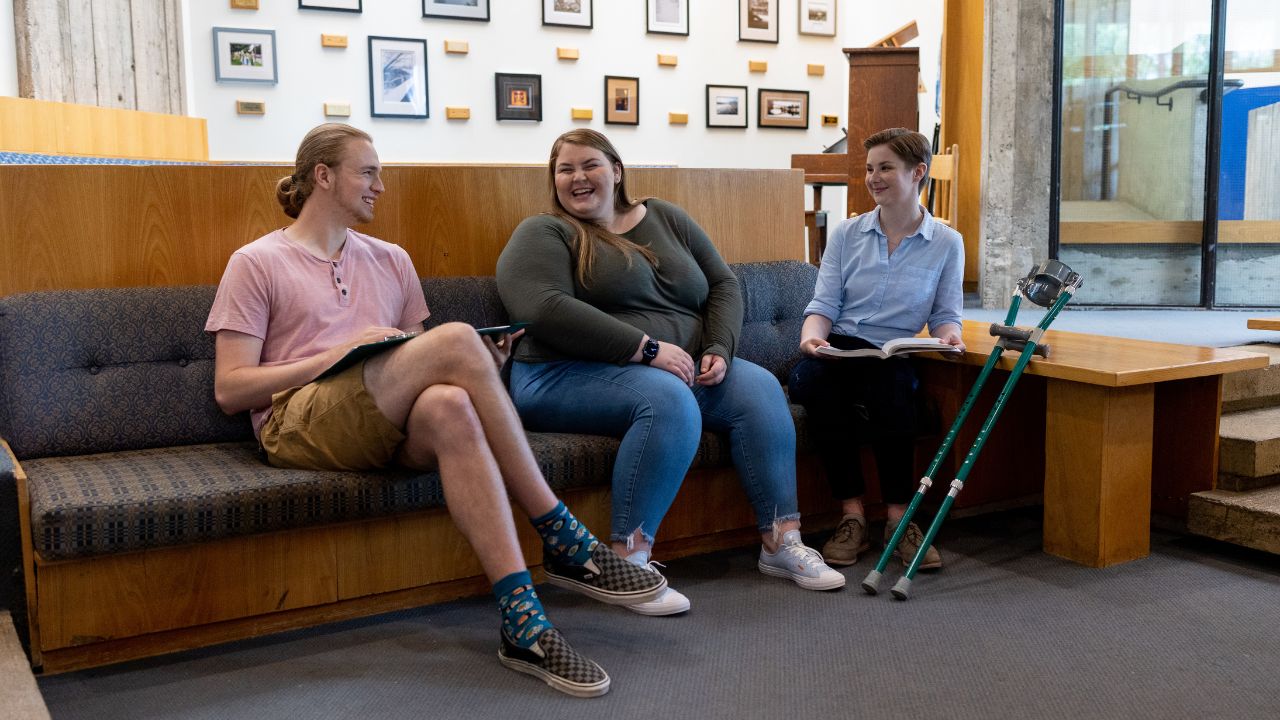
(719, 117)
(509, 105)
(480, 14)
(311, 5)
(750, 14)
(654, 26)
(770, 100)
(383, 67)
(614, 111)
(550, 16)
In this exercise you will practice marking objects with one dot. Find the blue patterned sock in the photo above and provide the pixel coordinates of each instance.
(522, 615)
(564, 536)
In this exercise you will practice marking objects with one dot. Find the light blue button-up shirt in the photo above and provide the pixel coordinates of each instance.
(868, 294)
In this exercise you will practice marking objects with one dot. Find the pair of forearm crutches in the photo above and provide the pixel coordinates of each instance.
(1050, 284)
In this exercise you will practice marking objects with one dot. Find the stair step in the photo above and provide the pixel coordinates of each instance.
(1249, 446)
(1250, 519)
(1255, 388)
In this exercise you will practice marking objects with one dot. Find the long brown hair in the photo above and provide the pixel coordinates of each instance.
(588, 233)
(324, 145)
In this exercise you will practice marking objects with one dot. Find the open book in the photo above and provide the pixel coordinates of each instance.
(898, 346)
(360, 352)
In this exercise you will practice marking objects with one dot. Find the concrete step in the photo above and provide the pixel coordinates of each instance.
(1253, 388)
(1249, 449)
(1251, 519)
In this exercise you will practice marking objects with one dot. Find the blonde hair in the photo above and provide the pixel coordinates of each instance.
(324, 145)
(589, 234)
(911, 146)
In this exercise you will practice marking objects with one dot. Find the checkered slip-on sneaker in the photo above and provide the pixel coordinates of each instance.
(605, 577)
(556, 663)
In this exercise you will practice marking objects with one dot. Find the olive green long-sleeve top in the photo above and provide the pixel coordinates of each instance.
(691, 299)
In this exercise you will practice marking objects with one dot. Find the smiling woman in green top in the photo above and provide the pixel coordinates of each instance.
(634, 322)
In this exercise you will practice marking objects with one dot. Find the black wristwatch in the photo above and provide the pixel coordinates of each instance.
(649, 352)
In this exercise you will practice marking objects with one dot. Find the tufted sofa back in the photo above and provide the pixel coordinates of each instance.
(88, 371)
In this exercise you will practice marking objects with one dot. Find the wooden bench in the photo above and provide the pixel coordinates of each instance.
(1127, 426)
(1264, 323)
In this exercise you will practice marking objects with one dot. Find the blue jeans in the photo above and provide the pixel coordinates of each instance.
(659, 420)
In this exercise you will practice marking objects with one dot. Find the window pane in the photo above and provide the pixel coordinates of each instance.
(1249, 179)
(1134, 124)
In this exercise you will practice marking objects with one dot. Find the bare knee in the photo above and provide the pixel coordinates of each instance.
(455, 347)
(443, 420)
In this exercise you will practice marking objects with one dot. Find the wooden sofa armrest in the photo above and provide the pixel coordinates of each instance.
(17, 500)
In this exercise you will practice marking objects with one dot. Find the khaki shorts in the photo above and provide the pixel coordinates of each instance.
(332, 424)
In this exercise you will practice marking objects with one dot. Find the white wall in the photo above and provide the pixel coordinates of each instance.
(8, 52)
(516, 41)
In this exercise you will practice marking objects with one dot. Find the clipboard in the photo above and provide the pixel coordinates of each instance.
(368, 350)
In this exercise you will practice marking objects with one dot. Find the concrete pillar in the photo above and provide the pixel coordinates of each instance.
(1017, 122)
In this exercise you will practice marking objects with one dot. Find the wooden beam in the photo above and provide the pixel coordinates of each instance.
(1167, 232)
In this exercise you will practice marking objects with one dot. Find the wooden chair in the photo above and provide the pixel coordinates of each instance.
(944, 172)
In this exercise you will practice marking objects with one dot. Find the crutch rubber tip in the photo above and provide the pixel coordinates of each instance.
(902, 589)
(871, 584)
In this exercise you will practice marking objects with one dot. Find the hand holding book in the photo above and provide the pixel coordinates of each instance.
(898, 346)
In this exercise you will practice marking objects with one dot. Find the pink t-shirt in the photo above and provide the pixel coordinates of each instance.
(300, 305)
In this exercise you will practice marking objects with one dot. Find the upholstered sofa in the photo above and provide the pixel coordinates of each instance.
(126, 483)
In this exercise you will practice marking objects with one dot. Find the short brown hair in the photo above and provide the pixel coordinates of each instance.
(909, 145)
(324, 145)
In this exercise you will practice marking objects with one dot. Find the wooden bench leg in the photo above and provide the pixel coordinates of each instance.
(1097, 489)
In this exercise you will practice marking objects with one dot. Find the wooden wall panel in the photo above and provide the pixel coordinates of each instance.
(962, 56)
(111, 226)
(56, 128)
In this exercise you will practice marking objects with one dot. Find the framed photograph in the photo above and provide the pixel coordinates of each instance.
(519, 97)
(621, 100)
(758, 20)
(242, 55)
(818, 17)
(667, 17)
(783, 109)
(570, 13)
(727, 106)
(457, 9)
(397, 77)
(354, 6)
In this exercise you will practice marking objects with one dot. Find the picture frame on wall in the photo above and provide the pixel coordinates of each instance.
(568, 13)
(477, 10)
(667, 17)
(727, 106)
(352, 6)
(398, 77)
(621, 100)
(782, 109)
(818, 17)
(244, 55)
(518, 96)
(758, 20)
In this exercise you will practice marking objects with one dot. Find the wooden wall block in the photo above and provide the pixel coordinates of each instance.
(337, 109)
(244, 4)
(830, 120)
(251, 107)
(667, 60)
(816, 69)
(564, 53)
(757, 66)
(334, 41)
(678, 118)
(457, 113)
(457, 47)
(581, 113)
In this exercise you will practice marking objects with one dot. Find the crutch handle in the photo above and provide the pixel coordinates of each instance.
(1015, 338)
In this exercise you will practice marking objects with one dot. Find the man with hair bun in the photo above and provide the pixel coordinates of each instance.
(295, 301)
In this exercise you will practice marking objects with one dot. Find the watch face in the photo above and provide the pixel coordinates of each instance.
(651, 349)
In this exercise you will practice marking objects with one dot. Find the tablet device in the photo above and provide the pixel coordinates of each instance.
(502, 329)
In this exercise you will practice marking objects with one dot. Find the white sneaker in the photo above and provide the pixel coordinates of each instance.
(669, 602)
(800, 563)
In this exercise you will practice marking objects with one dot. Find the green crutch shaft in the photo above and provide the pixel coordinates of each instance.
(981, 440)
(872, 578)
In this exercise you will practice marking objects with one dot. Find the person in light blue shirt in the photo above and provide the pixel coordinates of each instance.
(884, 275)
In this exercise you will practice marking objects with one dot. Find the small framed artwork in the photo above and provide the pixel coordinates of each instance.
(758, 20)
(397, 77)
(354, 6)
(243, 55)
(621, 100)
(782, 109)
(727, 106)
(519, 96)
(570, 13)
(457, 9)
(667, 17)
(818, 17)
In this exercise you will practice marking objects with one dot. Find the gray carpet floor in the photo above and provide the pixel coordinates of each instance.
(1211, 328)
(1004, 631)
